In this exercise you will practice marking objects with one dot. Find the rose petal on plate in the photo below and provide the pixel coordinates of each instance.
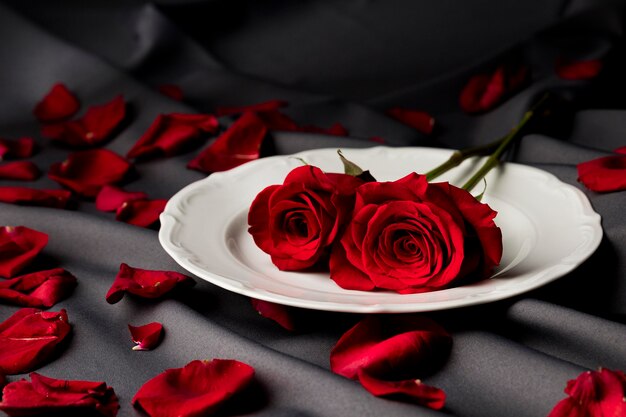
(18, 247)
(20, 148)
(257, 107)
(86, 172)
(412, 390)
(145, 283)
(43, 395)
(172, 134)
(199, 388)
(58, 104)
(279, 313)
(240, 143)
(34, 197)
(110, 197)
(146, 337)
(19, 171)
(28, 337)
(485, 91)
(603, 174)
(420, 120)
(172, 91)
(568, 69)
(38, 289)
(142, 213)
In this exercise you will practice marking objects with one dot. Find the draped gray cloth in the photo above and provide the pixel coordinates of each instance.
(333, 61)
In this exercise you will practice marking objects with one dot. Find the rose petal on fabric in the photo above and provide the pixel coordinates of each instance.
(256, 108)
(43, 395)
(484, 91)
(18, 247)
(142, 213)
(568, 69)
(172, 91)
(199, 388)
(110, 197)
(171, 134)
(20, 148)
(146, 337)
(240, 143)
(420, 120)
(97, 125)
(145, 283)
(39, 289)
(277, 312)
(19, 171)
(593, 393)
(86, 172)
(28, 337)
(603, 174)
(412, 390)
(34, 197)
(58, 104)
(621, 150)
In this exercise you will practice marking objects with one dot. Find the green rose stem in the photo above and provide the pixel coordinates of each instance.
(459, 156)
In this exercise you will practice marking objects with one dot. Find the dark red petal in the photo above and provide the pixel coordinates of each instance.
(20, 148)
(603, 174)
(45, 395)
(484, 91)
(146, 337)
(279, 313)
(34, 197)
(19, 171)
(198, 389)
(28, 337)
(145, 283)
(240, 143)
(110, 197)
(58, 104)
(142, 213)
(86, 172)
(621, 150)
(172, 91)
(418, 119)
(18, 247)
(39, 289)
(577, 70)
(258, 107)
(412, 390)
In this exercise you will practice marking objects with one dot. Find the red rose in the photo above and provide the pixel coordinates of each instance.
(411, 236)
(297, 222)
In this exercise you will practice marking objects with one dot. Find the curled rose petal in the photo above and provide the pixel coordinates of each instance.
(603, 174)
(594, 393)
(142, 213)
(412, 390)
(146, 337)
(39, 289)
(256, 108)
(110, 198)
(199, 388)
(279, 313)
(568, 69)
(20, 148)
(145, 283)
(19, 171)
(34, 197)
(171, 134)
(58, 104)
(420, 120)
(240, 143)
(28, 337)
(86, 172)
(484, 91)
(97, 125)
(18, 247)
(43, 395)
(172, 91)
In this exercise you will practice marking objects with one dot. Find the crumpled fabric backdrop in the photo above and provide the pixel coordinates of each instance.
(333, 61)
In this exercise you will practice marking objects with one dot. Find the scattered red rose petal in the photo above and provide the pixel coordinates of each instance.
(594, 393)
(484, 91)
(171, 134)
(18, 247)
(621, 150)
(110, 197)
(86, 172)
(34, 197)
(172, 91)
(240, 143)
(39, 289)
(410, 389)
(420, 120)
(258, 107)
(146, 337)
(19, 171)
(199, 388)
(603, 174)
(28, 337)
(279, 313)
(3, 381)
(142, 213)
(19, 148)
(275, 120)
(57, 105)
(94, 127)
(144, 283)
(45, 395)
(378, 139)
(577, 70)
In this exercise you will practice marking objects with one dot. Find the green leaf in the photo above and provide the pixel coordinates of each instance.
(349, 167)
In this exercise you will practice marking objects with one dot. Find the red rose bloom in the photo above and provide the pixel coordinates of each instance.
(296, 222)
(411, 236)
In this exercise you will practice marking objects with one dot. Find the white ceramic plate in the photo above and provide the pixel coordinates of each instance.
(548, 229)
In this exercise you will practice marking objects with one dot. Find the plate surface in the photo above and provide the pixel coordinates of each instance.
(548, 229)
